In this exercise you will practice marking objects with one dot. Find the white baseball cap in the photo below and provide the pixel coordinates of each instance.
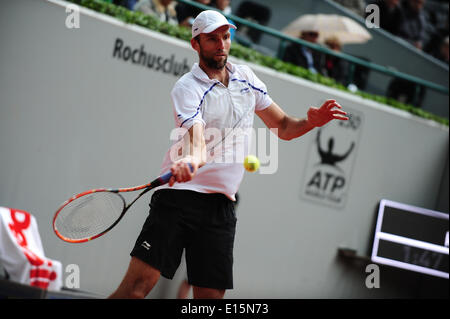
(208, 21)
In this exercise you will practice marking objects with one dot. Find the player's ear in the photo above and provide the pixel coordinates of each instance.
(194, 43)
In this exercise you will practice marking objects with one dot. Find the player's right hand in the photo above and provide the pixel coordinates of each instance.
(181, 172)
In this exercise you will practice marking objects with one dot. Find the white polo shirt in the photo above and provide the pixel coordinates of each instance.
(227, 115)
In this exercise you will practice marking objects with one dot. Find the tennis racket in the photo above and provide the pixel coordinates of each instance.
(93, 213)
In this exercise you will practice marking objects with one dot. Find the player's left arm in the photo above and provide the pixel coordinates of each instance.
(289, 127)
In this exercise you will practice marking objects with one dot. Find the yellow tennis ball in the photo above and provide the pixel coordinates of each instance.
(251, 163)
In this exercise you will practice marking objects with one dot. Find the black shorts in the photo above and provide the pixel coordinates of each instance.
(202, 224)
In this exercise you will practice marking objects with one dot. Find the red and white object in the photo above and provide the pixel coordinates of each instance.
(22, 254)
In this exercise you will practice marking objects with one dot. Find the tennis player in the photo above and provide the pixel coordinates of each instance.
(195, 212)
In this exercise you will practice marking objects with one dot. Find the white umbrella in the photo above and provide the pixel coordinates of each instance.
(328, 25)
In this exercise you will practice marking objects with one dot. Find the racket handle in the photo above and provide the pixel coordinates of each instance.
(163, 179)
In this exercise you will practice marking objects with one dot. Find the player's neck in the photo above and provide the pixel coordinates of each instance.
(216, 74)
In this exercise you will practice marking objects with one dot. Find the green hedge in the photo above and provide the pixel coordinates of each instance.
(244, 53)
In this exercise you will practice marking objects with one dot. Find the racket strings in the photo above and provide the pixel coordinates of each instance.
(89, 215)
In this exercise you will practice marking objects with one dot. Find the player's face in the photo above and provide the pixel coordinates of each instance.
(213, 48)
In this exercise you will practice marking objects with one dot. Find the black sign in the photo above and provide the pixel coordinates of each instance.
(412, 238)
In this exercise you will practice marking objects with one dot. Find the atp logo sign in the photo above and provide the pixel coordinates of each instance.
(330, 161)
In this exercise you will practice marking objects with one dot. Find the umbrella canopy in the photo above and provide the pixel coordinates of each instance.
(329, 25)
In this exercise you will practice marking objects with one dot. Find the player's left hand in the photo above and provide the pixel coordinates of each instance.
(330, 110)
